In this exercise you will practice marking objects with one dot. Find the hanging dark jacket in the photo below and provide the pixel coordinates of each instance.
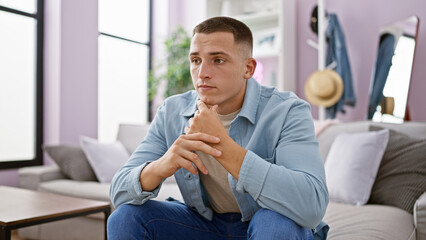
(336, 52)
(381, 72)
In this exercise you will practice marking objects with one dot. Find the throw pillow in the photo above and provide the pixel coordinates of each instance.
(352, 163)
(105, 158)
(401, 178)
(71, 161)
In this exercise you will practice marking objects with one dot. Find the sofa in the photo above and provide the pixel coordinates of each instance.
(376, 221)
(346, 221)
(50, 178)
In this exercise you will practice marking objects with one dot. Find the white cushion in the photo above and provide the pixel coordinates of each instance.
(352, 164)
(105, 158)
(80, 189)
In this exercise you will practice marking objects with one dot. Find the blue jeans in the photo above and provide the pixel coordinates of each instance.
(165, 220)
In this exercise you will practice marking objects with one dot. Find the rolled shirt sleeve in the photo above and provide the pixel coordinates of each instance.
(293, 181)
(125, 186)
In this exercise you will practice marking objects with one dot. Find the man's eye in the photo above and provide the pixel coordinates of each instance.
(195, 60)
(219, 60)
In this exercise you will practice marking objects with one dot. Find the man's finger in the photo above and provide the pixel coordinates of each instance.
(196, 143)
(203, 147)
(214, 108)
(200, 165)
(201, 106)
(193, 157)
(187, 165)
(202, 137)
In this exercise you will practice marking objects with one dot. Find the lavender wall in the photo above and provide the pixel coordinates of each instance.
(9, 177)
(79, 71)
(361, 21)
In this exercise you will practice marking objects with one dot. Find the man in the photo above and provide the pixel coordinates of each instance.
(245, 156)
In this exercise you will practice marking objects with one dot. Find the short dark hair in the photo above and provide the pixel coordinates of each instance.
(242, 33)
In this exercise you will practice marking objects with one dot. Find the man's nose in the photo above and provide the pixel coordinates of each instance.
(204, 71)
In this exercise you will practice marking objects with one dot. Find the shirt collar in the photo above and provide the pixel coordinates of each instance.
(251, 101)
(250, 104)
(190, 109)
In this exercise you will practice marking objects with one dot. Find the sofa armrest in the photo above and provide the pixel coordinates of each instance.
(31, 177)
(419, 213)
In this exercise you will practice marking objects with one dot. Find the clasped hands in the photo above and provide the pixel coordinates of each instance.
(205, 133)
(207, 121)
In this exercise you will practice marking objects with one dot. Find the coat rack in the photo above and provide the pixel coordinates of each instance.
(320, 46)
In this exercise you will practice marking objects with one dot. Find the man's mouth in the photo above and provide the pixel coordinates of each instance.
(205, 87)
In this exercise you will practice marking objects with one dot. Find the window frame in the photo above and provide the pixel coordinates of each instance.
(38, 160)
(148, 44)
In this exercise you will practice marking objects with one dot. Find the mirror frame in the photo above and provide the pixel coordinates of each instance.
(414, 36)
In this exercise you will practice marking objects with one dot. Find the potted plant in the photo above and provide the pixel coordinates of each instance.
(177, 73)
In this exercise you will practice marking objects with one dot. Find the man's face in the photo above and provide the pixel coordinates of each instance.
(220, 69)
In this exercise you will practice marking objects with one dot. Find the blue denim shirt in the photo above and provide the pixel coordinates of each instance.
(282, 169)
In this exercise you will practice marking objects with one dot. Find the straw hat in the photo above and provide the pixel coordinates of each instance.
(324, 88)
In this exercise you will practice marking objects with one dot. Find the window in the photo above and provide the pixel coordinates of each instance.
(124, 63)
(21, 81)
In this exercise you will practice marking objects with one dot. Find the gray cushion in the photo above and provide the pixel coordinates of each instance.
(401, 178)
(368, 222)
(72, 161)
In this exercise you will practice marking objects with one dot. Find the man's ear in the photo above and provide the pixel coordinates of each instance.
(250, 67)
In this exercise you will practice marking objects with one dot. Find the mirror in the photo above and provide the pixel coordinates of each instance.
(390, 81)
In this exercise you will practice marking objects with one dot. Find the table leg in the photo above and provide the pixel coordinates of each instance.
(107, 213)
(5, 233)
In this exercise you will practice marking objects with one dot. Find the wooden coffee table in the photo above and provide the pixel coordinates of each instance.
(22, 208)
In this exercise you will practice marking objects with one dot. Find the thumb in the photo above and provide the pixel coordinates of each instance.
(214, 108)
